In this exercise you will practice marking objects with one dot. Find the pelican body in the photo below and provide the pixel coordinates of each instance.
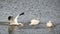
(34, 22)
(13, 21)
(49, 24)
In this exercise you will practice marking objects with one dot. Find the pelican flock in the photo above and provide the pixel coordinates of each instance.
(34, 22)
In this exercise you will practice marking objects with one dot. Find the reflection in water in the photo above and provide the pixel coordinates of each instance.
(11, 29)
(35, 27)
(51, 30)
(26, 28)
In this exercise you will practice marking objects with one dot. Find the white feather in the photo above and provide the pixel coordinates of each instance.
(34, 22)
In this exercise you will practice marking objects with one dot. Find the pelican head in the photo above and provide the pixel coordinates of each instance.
(50, 21)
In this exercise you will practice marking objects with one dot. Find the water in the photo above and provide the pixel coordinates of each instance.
(39, 29)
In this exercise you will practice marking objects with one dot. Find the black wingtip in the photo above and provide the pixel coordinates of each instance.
(22, 14)
(9, 18)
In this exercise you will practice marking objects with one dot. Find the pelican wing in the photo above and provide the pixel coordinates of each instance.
(16, 18)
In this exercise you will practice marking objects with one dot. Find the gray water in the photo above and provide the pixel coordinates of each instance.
(5, 28)
(45, 10)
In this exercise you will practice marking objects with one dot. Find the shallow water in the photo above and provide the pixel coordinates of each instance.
(39, 29)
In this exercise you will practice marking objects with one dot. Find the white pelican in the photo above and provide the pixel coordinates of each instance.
(14, 21)
(34, 22)
(49, 24)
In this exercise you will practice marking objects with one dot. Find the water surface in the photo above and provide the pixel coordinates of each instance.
(40, 29)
